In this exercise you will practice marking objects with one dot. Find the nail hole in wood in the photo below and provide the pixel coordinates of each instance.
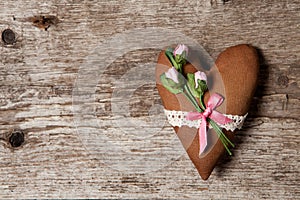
(8, 36)
(17, 138)
(283, 81)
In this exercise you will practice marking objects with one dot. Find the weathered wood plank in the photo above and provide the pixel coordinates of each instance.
(37, 77)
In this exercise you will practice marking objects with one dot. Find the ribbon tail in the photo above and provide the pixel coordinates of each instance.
(203, 135)
(219, 118)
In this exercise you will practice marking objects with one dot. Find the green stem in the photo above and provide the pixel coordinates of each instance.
(192, 98)
(201, 102)
(192, 101)
(217, 129)
(225, 141)
(171, 58)
(187, 96)
(227, 149)
(222, 134)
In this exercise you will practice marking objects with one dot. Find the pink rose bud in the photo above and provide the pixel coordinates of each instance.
(180, 49)
(172, 73)
(200, 76)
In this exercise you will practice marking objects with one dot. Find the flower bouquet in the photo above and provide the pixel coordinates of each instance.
(191, 108)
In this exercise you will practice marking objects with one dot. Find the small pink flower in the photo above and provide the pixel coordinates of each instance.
(172, 73)
(180, 49)
(200, 76)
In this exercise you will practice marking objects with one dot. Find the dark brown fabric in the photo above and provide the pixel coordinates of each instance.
(238, 66)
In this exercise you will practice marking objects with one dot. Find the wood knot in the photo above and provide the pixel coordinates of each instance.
(8, 37)
(16, 138)
(283, 81)
(44, 22)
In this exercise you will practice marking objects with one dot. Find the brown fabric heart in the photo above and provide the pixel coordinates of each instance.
(238, 67)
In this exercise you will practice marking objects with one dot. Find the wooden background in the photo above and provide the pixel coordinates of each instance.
(38, 73)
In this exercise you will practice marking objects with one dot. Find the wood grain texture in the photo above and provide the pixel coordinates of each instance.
(38, 73)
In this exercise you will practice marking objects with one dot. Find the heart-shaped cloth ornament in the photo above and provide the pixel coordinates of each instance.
(237, 67)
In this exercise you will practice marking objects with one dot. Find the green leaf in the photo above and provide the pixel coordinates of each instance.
(192, 86)
(172, 60)
(170, 85)
(202, 87)
(169, 49)
(178, 58)
(181, 59)
(184, 56)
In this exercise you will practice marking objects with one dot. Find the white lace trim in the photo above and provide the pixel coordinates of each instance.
(178, 118)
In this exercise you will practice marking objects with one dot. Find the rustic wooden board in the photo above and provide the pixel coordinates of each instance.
(63, 159)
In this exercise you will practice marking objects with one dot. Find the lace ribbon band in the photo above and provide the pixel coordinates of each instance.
(178, 118)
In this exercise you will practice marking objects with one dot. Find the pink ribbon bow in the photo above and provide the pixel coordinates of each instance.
(214, 101)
